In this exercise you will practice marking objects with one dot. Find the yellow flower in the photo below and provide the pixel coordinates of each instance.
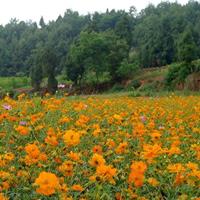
(153, 182)
(71, 138)
(47, 182)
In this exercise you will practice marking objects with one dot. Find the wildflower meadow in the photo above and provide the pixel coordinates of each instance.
(100, 147)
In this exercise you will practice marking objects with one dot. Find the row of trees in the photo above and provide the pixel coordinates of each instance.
(114, 42)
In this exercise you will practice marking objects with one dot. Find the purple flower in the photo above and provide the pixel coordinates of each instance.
(61, 86)
(22, 123)
(143, 118)
(7, 107)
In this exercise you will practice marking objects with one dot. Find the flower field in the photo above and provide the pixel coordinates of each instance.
(100, 147)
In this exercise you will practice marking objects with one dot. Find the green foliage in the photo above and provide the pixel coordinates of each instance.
(96, 53)
(149, 87)
(177, 74)
(116, 88)
(187, 47)
(135, 84)
(114, 42)
(127, 70)
(44, 63)
(36, 69)
(10, 83)
(52, 84)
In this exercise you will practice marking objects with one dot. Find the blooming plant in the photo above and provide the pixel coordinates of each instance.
(100, 147)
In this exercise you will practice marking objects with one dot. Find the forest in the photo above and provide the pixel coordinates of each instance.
(103, 106)
(112, 44)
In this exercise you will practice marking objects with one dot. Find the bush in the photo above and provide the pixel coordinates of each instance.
(177, 74)
(116, 88)
(135, 84)
(153, 87)
(127, 70)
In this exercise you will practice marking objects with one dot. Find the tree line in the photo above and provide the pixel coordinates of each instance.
(114, 43)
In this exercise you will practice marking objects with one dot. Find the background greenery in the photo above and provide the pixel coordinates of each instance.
(103, 47)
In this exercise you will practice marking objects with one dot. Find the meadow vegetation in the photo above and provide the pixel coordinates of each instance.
(100, 147)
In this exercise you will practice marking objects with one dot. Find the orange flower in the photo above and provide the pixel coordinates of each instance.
(118, 196)
(110, 143)
(52, 140)
(97, 160)
(64, 120)
(2, 197)
(32, 150)
(66, 168)
(179, 179)
(106, 173)
(47, 182)
(33, 154)
(97, 149)
(82, 121)
(139, 166)
(74, 156)
(136, 176)
(5, 185)
(78, 188)
(153, 182)
(155, 135)
(151, 151)
(71, 138)
(176, 168)
(121, 148)
(22, 130)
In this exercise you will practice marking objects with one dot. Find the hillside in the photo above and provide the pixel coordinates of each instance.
(111, 44)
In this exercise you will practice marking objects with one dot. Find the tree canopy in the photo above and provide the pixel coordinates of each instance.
(102, 42)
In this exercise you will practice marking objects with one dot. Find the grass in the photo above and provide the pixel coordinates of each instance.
(10, 83)
(148, 74)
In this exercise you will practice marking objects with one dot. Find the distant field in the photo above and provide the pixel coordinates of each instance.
(9, 83)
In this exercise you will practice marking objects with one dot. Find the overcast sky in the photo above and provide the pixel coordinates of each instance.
(50, 9)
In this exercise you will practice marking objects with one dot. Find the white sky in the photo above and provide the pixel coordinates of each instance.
(50, 9)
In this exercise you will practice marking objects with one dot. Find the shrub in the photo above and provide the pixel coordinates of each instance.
(135, 84)
(177, 74)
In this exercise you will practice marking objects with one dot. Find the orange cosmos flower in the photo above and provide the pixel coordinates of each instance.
(2, 197)
(97, 160)
(110, 143)
(97, 149)
(179, 179)
(47, 182)
(32, 150)
(139, 166)
(136, 178)
(71, 138)
(74, 156)
(153, 182)
(78, 188)
(151, 152)
(22, 130)
(82, 121)
(66, 168)
(121, 148)
(106, 173)
(64, 120)
(176, 168)
(52, 140)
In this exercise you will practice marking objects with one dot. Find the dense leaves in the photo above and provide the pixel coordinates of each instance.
(104, 42)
